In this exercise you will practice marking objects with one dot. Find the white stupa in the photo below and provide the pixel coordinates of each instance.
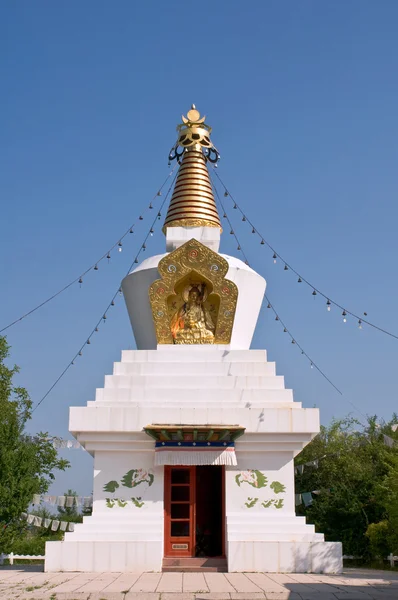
(193, 435)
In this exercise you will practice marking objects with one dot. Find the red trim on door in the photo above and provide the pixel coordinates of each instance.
(179, 523)
(223, 519)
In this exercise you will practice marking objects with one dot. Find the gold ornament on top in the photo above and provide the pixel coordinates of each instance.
(193, 302)
(192, 203)
(193, 131)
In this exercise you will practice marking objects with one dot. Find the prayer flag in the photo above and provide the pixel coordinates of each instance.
(54, 525)
(307, 498)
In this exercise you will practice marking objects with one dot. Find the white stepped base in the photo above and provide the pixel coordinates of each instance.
(273, 528)
(201, 403)
(118, 419)
(202, 381)
(285, 557)
(182, 354)
(215, 395)
(266, 369)
(253, 556)
(194, 386)
(104, 556)
(117, 527)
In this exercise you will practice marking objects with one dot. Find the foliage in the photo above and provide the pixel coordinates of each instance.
(385, 533)
(27, 463)
(32, 545)
(69, 513)
(378, 534)
(356, 476)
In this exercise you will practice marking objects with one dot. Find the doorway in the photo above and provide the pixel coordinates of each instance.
(194, 511)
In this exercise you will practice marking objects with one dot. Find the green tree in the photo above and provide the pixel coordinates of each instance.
(27, 463)
(70, 513)
(383, 535)
(354, 474)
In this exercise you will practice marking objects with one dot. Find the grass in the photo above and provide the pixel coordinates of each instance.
(380, 564)
(30, 588)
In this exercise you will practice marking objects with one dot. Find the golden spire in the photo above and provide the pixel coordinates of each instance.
(192, 203)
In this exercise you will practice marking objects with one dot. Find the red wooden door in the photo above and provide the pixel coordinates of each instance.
(179, 516)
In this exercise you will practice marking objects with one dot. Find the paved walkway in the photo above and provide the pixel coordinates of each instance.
(25, 582)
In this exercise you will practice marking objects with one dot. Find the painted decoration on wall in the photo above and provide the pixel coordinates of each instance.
(251, 502)
(131, 479)
(135, 477)
(278, 488)
(272, 502)
(252, 477)
(258, 480)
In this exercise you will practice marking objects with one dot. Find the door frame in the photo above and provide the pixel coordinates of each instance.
(168, 552)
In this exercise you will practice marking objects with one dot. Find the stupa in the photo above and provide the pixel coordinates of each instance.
(193, 435)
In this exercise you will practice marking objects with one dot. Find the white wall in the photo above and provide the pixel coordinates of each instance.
(113, 466)
(277, 468)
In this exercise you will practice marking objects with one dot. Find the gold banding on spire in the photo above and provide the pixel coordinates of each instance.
(192, 203)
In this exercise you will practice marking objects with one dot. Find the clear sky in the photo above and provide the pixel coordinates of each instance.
(302, 98)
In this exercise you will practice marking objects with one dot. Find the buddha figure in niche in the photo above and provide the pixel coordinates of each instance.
(192, 323)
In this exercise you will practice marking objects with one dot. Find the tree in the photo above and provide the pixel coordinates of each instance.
(354, 475)
(27, 463)
(70, 513)
(383, 536)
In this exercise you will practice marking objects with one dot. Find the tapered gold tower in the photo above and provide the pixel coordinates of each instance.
(192, 203)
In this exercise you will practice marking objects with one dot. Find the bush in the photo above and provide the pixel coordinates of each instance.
(379, 539)
(29, 545)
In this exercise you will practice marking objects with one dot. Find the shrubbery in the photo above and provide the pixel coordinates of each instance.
(356, 477)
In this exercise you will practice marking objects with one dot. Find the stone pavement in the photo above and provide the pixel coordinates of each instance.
(28, 582)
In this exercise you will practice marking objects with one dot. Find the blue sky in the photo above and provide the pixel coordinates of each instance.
(302, 98)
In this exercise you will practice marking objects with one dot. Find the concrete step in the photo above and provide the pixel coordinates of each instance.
(195, 368)
(197, 395)
(184, 381)
(205, 404)
(185, 354)
(111, 536)
(276, 537)
(195, 565)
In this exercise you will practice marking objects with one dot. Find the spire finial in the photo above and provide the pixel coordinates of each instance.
(193, 119)
(194, 133)
(192, 203)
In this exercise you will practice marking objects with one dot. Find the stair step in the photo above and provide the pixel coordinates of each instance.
(195, 565)
(195, 569)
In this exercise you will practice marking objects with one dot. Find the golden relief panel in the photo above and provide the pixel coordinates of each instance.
(193, 302)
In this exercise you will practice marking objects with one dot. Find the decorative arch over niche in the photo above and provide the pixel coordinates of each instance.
(193, 264)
